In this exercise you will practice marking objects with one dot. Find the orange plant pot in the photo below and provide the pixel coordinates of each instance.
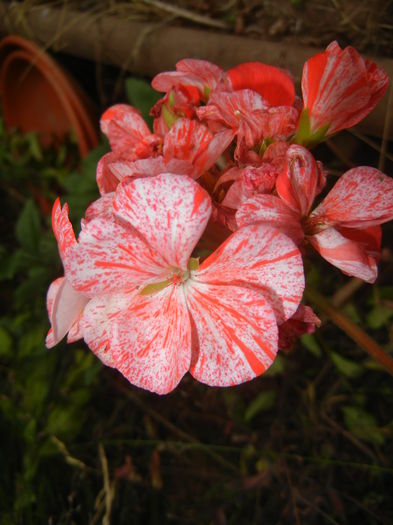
(38, 96)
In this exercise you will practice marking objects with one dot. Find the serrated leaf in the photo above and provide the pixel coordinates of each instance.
(28, 229)
(345, 366)
(264, 401)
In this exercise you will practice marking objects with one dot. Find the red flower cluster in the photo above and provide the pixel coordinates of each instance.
(192, 259)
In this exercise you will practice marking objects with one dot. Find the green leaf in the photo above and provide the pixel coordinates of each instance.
(141, 95)
(362, 425)
(28, 229)
(5, 343)
(379, 317)
(264, 401)
(309, 342)
(277, 367)
(34, 146)
(347, 367)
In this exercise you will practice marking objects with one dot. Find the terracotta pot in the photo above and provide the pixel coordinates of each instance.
(38, 96)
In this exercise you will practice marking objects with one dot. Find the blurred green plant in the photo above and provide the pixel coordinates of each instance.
(44, 394)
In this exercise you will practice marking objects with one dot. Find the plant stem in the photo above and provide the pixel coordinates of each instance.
(352, 330)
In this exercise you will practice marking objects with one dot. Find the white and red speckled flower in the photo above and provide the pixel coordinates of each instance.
(154, 313)
(344, 228)
(340, 88)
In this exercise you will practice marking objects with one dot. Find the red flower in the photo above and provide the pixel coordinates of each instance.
(273, 84)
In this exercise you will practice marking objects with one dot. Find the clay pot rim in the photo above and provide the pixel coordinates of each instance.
(69, 112)
(65, 83)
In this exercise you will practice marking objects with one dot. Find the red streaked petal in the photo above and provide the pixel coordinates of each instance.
(191, 141)
(273, 84)
(107, 180)
(110, 257)
(124, 127)
(189, 72)
(361, 197)
(170, 211)
(152, 343)
(187, 140)
(300, 182)
(271, 211)
(351, 257)
(99, 323)
(263, 256)
(62, 228)
(340, 88)
(236, 332)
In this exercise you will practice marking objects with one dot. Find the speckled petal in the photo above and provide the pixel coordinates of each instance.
(110, 257)
(124, 127)
(362, 197)
(236, 333)
(192, 141)
(170, 211)
(271, 211)
(349, 256)
(107, 180)
(152, 341)
(99, 323)
(261, 256)
(62, 229)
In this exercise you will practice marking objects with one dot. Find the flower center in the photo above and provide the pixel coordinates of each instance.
(176, 278)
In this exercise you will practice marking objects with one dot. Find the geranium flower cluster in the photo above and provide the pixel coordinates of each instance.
(192, 259)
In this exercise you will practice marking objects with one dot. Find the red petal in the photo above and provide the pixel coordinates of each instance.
(339, 87)
(301, 180)
(62, 229)
(190, 72)
(191, 141)
(273, 84)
